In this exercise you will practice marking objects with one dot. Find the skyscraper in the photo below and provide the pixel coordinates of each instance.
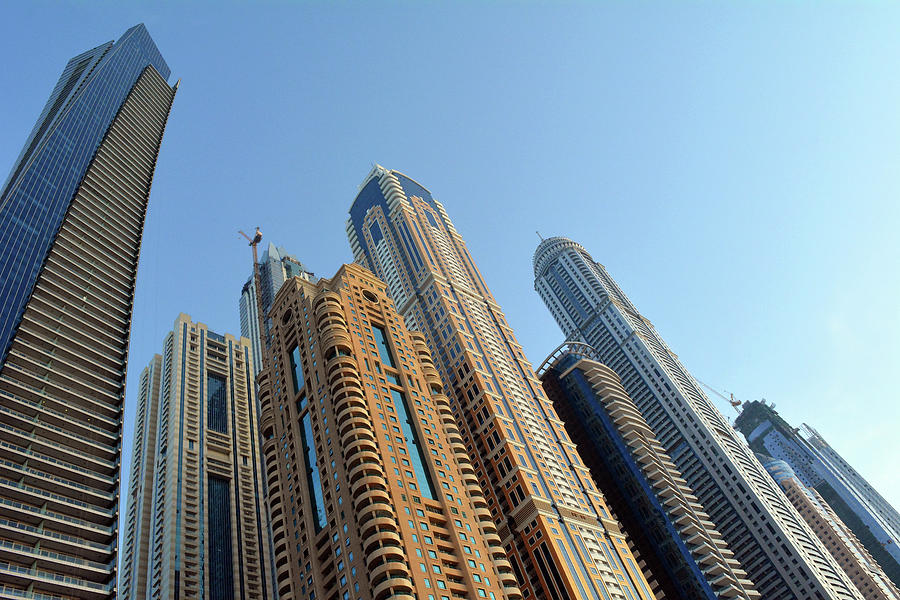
(139, 513)
(863, 570)
(371, 492)
(819, 467)
(196, 513)
(275, 267)
(685, 555)
(776, 548)
(71, 218)
(554, 524)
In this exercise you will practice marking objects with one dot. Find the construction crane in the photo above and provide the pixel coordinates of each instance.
(734, 403)
(253, 242)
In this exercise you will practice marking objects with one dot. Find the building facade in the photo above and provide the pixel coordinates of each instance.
(780, 553)
(684, 555)
(371, 492)
(819, 467)
(848, 551)
(196, 510)
(558, 533)
(71, 219)
(139, 514)
(275, 267)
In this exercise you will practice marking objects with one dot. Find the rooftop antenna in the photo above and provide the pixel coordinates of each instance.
(539, 235)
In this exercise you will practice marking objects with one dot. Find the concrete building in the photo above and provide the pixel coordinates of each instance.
(847, 550)
(780, 553)
(275, 267)
(819, 467)
(371, 492)
(683, 554)
(553, 522)
(138, 516)
(71, 220)
(196, 512)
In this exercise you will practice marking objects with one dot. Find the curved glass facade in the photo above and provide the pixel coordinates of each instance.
(56, 156)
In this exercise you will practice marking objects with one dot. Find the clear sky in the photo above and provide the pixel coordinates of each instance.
(735, 167)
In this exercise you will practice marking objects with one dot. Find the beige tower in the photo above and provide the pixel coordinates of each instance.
(372, 494)
(863, 570)
(195, 516)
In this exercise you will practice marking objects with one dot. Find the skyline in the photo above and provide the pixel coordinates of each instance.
(650, 261)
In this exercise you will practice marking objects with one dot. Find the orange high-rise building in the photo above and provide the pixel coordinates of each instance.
(371, 492)
(561, 539)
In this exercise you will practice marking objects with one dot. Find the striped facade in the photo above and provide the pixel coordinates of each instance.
(819, 467)
(71, 220)
(781, 555)
(372, 495)
(684, 554)
(866, 574)
(197, 498)
(554, 524)
(136, 553)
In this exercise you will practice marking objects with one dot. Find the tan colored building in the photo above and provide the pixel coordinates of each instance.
(371, 492)
(839, 540)
(559, 535)
(195, 520)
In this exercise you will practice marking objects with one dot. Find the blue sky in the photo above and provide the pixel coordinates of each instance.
(735, 168)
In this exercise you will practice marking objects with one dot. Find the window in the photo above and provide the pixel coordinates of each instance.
(313, 480)
(216, 400)
(296, 369)
(220, 559)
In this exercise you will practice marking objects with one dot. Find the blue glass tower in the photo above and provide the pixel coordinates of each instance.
(68, 132)
(71, 220)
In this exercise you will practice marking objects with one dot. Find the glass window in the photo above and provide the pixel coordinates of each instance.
(296, 369)
(216, 400)
(312, 473)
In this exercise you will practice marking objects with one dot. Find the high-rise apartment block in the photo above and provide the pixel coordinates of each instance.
(371, 492)
(196, 514)
(558, 533)
(71, 219)
(139, 513)
(275, 267)
(685, 556)
(848, 551)
(780, 553)
(819, 467)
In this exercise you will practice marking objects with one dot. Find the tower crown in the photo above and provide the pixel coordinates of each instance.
(549, 249)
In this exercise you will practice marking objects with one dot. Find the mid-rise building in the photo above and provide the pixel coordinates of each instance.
(848, 551)
(371, 492)
(275, 267)
(559, 534)
(71, 219)
(196, 512)
(819, 467)
(774, 545)
(684, 555)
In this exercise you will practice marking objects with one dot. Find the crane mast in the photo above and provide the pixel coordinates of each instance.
(264, 347)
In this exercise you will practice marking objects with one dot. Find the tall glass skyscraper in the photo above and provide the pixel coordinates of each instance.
(71, 218)
(561, 538)
(275, 267)
(871, 518)
(780, 553)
